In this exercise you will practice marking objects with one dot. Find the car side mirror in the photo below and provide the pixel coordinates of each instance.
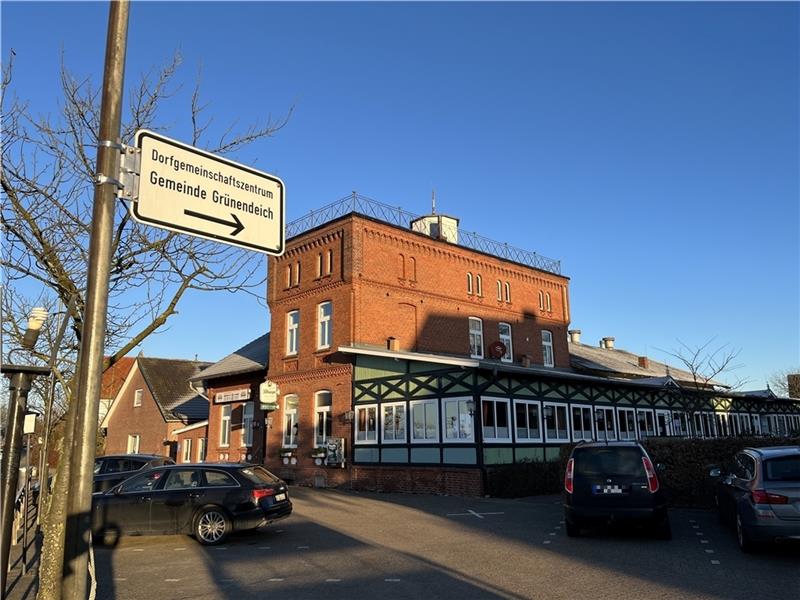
(715, 472)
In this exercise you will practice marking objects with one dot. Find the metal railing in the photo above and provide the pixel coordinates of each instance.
(356, 203)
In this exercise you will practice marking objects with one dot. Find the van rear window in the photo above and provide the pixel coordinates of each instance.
(785, 468)
(609, 461)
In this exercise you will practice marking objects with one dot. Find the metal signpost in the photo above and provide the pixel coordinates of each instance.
(184, 189)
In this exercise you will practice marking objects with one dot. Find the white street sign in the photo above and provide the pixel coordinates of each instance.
(185, 189)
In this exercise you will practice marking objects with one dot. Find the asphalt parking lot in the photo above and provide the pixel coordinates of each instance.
(341, 545)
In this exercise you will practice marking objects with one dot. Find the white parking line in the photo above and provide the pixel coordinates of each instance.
(692, 521)
(302, 547)
(332, 580)
(179, 549)
(120, 579)
(172, 580)
(695, 526)
(714, 562)
(392, 580)
(275, 579)
(709, 551)
(138, 549)
(703, 541)
(546, 542)
(265, 547)
(698, 533)
(551, 533)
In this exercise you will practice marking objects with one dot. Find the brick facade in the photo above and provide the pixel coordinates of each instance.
(235, 450)
(193, 437)
(387, 282)
(146, 420)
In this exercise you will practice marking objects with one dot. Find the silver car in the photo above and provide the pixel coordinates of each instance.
(761, 495)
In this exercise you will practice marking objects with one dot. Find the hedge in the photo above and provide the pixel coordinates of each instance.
(686, 478)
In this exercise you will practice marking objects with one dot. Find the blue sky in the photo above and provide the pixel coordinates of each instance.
(652, 148)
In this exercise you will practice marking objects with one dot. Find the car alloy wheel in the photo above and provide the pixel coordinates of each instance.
(212, 526)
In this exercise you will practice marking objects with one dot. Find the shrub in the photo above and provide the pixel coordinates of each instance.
(687, 463)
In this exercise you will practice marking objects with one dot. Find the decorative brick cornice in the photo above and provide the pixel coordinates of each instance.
(314, 242)
(321, 373)
(289, 298)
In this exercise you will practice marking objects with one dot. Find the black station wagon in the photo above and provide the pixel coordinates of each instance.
(205, 500)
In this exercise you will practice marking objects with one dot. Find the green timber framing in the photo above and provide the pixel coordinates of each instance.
(402, 379)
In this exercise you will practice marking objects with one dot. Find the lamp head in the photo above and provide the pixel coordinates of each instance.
(36, 319)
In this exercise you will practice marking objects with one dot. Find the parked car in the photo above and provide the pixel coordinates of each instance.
(760, 495)
(116, 468)
(206, 500)
(613, 481)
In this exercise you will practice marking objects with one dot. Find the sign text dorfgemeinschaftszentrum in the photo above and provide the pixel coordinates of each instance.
(185, 189)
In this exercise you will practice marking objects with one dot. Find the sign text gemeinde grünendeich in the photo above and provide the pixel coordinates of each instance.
(186, 189)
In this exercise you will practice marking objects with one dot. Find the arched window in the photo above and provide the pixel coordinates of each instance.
(469, 283)
(507, 289)
(401, 265)
(291, 424)
(547, 303)
(412, 268)
(499, 291)
(541, 300)
(478, 285)
(323, 425)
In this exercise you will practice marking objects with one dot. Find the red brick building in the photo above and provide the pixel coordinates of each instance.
(154, 401)
(357, 286)
(236, 422)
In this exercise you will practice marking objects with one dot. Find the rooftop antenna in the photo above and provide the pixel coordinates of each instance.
(433, 202)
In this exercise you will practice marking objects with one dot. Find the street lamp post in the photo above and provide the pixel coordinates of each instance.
(20, 384)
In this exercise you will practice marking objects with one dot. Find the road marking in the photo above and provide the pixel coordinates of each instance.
(709, 551)
(302, 547)
(221, 548)
(179, 549)
(265, 547)
(714, 562)
(695, 526)
(172, 580)
(120, 579)
(392, 580)
(551, 533)
(703, 541)
(275, 579)
(279, 531)
(558, 527)
(332, 580)
(698, 533)
(472, 513)
(138, 549)
(692, 521)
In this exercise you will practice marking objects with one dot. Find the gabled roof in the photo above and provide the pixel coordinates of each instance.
(621, 363)
(114, 376)
(252, 357)
(168, 381)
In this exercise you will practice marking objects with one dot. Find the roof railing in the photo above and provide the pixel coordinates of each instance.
(356, 203)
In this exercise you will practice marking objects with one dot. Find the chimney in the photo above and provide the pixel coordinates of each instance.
(391, 344)
(574, 336)
(608, 343)
(793, 385)
(644, 362)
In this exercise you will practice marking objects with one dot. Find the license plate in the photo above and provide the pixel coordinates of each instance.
(608, 489)
(280, 497)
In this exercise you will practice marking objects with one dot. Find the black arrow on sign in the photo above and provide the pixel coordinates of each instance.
(236, 224)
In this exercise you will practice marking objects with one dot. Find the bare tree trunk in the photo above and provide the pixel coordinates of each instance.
(54, 525)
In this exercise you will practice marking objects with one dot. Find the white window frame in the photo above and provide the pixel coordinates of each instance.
(366, 408)
(507, 340)
(527, 425)
(324, 325)
(329, 265)
(646, 412)
(507, 291)
(291, 423)
(494, 405)
(319, 265)
(548, 358)
(499, 291)
(322, 413)
(400, 422)
(710, 424)
(755, 422)
(225, 426)
(478, 333)
(134, 440)
(187, 450)
(137, 397)
(541, 300)
(667, 416)
(202, 445)
(248, 408)
(625, 410)
(469, 283)
(683, 419)
(557, 439)
(606, 411)
(292, 333)
(425, 406)
(548, 304)
(478, 285)
(465, 422)
(583, 408)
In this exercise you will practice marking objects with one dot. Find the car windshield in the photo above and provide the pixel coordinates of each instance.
(259, 475)
(609, 461)
(785, 468)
